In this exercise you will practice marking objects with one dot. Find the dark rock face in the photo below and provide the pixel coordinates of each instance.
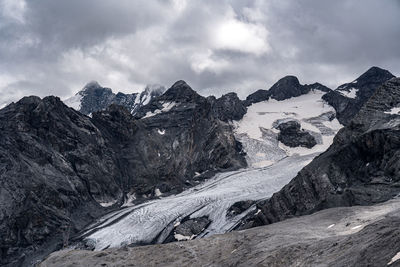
(57, 166)
(192, 227)
(188, 229)
(285, 88)
(348, 98)
(291, 135)
(360, 168)
(94, 98)
(239, 207)
(54, 164)
(258, 96)
(171, 142)
(228, 107)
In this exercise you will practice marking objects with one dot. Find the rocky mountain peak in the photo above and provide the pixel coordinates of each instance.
(375, 74)
(34, 104)
(154, 89)
(94, 90)
(258, 96)
(287, 87)
(180, 91)
(228, 107)
(93, 97)
(288, 80)
(29, 100)
(348, 98)
(91, 85)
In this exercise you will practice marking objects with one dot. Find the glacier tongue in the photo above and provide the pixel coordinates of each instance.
(144, 222)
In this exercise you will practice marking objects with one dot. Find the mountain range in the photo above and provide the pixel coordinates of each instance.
(107, 173)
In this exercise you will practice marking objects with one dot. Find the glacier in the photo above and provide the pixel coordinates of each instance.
(271, 166)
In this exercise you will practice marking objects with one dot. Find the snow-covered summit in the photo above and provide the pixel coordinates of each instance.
(94, 97)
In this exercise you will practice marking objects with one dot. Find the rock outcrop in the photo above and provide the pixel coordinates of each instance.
(188, 229)
(291, 135)
(360, 168)
(239, 207)
(228, 107)
(348, 98)
(60, 169)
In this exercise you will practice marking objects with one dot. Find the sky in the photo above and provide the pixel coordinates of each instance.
(54, 47)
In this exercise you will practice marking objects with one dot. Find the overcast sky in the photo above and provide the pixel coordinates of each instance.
(54, 47)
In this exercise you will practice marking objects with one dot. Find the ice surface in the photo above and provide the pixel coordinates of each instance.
(265, 113)
(142, 223)
(258, 135)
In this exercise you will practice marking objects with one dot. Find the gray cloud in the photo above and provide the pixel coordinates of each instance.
(55, 47)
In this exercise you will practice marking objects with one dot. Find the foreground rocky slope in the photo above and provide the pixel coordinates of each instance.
(360, 168)
(355, 236)
(61, 169)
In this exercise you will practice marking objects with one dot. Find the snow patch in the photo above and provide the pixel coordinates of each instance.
(108, 204)
(180, 237)
(393, 111)
(262, 163)
(352, 93)
(395, 258)
(157, 192)
(356, 227)
(130, 197)
(74, 102)
(167, 106)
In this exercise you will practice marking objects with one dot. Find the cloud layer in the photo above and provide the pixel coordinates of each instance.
(55, 47)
